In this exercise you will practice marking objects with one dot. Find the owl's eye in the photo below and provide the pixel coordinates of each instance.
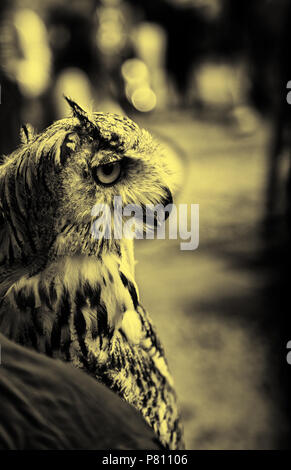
(108, 174)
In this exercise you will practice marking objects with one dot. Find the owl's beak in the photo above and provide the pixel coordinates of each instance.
(168, 199)
(165, 201)
(155, 222)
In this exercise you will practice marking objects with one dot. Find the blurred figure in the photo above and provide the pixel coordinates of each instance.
(71, 30)
(150, 42)
(32, 66)
(10, 96)
(272, 87)
(114, 22)
(89, 43)
(25, 61)
(25, 70)
(195, 30)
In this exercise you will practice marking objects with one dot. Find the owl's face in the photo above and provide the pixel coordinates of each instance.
(50, 185)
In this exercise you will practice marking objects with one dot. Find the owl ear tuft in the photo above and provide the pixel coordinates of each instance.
(27, 133)
(80, 114)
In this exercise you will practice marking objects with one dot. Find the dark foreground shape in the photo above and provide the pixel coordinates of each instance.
(46, 404)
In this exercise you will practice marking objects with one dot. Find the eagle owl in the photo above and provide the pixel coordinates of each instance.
(71, 295)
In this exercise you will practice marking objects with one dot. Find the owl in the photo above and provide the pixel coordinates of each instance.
(66, 292)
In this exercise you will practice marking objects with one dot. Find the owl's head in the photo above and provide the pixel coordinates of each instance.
(51, 183)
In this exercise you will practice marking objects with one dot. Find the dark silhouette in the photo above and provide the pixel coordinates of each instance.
(49, 405)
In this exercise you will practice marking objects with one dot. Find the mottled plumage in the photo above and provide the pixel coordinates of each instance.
(66, 293)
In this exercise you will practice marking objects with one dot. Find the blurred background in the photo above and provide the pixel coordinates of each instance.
(209, 78)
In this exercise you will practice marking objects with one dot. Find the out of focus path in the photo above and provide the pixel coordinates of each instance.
(207, 304)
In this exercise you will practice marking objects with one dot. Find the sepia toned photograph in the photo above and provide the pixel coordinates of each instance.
(145, 227)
